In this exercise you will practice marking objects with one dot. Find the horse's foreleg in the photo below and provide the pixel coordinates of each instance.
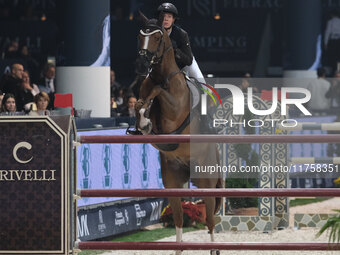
(143, 108)
(138, 106)
(173, 178)
(168, 102)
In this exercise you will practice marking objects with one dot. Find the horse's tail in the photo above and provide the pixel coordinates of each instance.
(218, 201)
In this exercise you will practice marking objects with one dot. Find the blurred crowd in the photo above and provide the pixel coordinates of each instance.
(28, 85)
(18, 94)
(123, 99)
(325, 93)
(26, 10)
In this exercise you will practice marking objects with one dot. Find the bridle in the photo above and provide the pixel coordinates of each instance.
(153, 58)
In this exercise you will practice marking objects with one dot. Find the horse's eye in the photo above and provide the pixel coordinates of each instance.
(157, 39)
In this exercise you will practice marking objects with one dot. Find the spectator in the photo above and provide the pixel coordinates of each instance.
(27, 92)
(246, 82)
(11, 83)
(42, 100)
(135, 85)
(12, 50)
(8, 104)
(1, 98)
(115, 86)
(332, 40)
(119, 96)
(32, 64)
(334, 91)
(114, 107)
(47, 83)
(129, 109)
(318, 88)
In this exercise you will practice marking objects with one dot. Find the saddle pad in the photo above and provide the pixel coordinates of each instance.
(195, 92)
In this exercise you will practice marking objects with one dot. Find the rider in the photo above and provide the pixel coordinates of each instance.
(183, 55)
(180, 41)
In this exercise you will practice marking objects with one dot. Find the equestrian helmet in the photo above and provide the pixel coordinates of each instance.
(168, 7)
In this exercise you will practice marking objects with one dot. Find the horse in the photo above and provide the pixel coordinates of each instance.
(164, 107)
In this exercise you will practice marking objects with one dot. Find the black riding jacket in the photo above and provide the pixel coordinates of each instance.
(181, 45)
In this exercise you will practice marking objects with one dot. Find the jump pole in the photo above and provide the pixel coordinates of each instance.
(318, 192)
(102, 245)
(239, 139)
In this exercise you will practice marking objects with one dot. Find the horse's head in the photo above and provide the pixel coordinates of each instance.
(153, 41)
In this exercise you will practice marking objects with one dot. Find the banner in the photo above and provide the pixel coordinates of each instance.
(34, 185)
(119, 218)
(116, 166)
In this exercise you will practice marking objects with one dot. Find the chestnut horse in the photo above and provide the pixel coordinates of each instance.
(164, 108)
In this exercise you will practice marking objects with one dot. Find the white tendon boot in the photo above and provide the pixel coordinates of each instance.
(179, 232)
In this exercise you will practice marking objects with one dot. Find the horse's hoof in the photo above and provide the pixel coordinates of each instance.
(214, 252)
(133, 132)
(146, 129)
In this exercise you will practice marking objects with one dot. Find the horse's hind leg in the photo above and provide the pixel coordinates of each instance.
(210, 207)
(174, 176)
(210, 204)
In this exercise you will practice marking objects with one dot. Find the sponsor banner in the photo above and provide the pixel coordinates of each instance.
(34, 215)
(119, 218)
(116, 166)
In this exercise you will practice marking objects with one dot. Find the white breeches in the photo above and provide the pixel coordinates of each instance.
(194, 71)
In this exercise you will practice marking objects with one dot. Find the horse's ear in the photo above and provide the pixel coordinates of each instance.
(143, 18)
(160, 19)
